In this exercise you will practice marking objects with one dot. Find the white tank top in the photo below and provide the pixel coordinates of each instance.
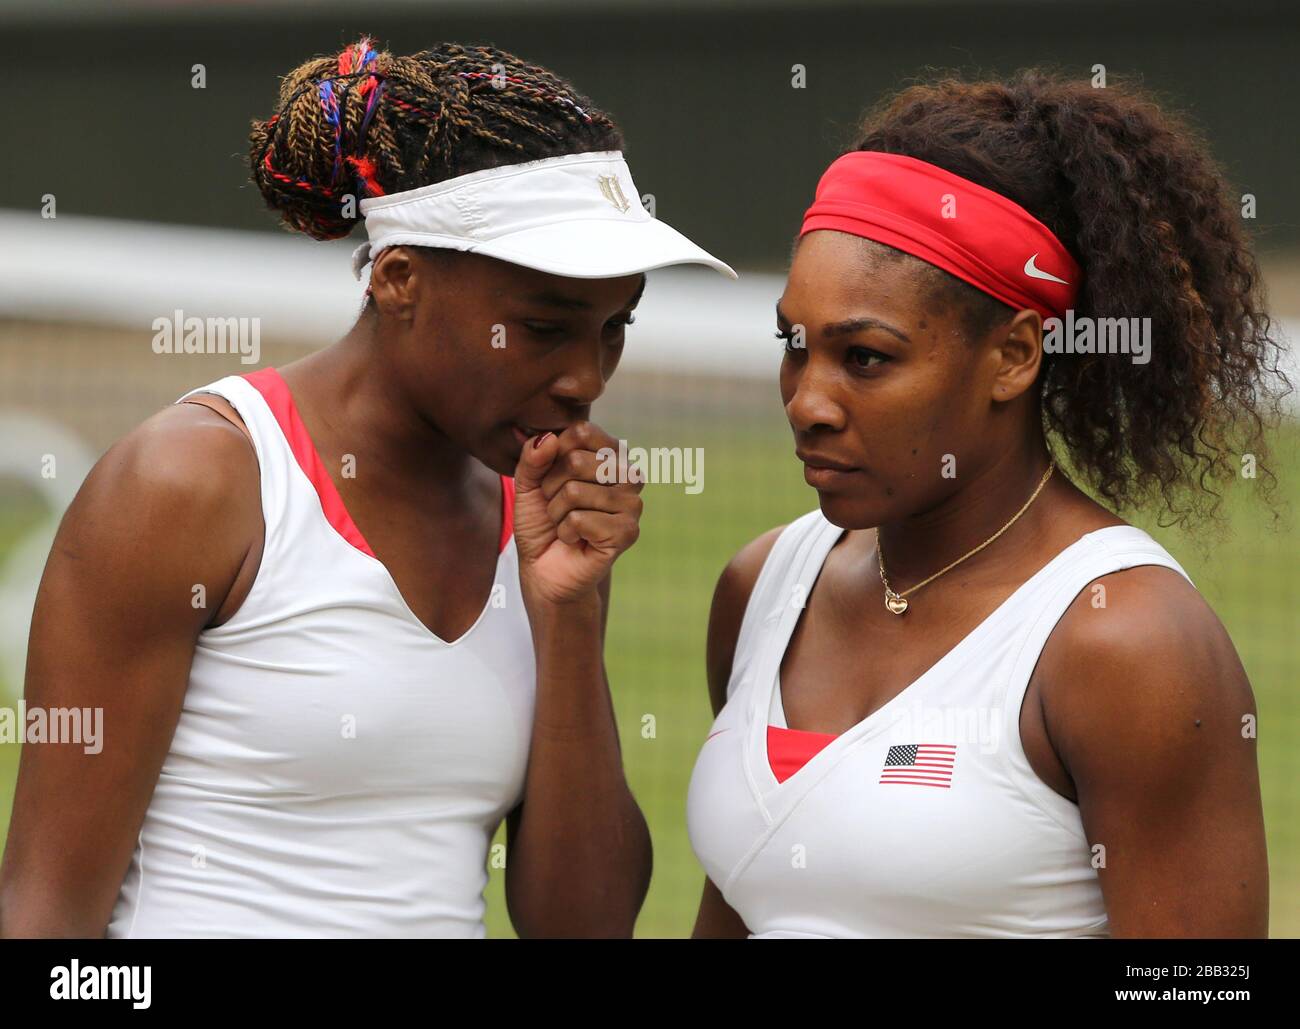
(338, 770)
(923, 820)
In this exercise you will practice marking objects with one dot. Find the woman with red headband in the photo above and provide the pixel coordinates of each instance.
(964, 697)
(345, 617)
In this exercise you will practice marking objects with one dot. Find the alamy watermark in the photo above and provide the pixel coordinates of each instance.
(684, 465)
(26, 724)
(194, 335)
(976, 726)
(1088, 335)
(75, 981)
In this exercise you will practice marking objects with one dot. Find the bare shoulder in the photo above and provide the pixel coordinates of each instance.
(184, 480)
(730, 597)
(1140, 662)
(736, 582)
(185, 450)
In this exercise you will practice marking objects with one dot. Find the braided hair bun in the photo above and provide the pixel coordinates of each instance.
(367, 123)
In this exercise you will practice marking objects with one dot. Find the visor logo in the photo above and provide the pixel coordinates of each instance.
(1034, 272)
(613, 192)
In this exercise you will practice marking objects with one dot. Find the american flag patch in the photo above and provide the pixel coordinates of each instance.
(920, 764)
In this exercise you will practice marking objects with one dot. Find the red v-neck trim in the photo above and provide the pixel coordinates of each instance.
(507, 512)
(788, 750)
(275, 391)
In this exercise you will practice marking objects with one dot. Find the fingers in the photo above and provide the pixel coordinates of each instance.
(588, 453)
(535, 460)
(591, 492)
(607, 532)
(576, 495)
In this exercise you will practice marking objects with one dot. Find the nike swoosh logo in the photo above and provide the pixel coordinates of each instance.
(1034, 272)
(712, 734)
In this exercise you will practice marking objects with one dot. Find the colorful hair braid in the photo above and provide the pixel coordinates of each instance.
(397, 123)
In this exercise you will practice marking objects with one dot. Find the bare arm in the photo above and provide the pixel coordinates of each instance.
(716, 918)
(1148, 707)
(578, 848)
(172, 506)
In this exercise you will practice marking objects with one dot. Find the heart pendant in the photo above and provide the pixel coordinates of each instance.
(895, 603)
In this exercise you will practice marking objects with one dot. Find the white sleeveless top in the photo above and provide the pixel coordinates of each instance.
(338, 770)
(923, 820)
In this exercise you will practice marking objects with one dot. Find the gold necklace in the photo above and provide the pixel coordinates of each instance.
(897, 603)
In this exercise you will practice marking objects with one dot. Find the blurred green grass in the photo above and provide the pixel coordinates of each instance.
(663, 586)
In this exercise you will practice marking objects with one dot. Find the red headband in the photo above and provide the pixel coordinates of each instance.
(969, 231)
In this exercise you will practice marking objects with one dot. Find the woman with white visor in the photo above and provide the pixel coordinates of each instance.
(345, 616)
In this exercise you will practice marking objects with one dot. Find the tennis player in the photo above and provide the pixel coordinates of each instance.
(345, 616)
(963, 698)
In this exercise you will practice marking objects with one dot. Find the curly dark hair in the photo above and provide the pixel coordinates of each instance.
(1134, 194)
(368, 123)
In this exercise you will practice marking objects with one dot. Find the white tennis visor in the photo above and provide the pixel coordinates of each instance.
(577, 215)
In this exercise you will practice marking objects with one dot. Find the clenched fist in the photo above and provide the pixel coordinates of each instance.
(569, 525)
